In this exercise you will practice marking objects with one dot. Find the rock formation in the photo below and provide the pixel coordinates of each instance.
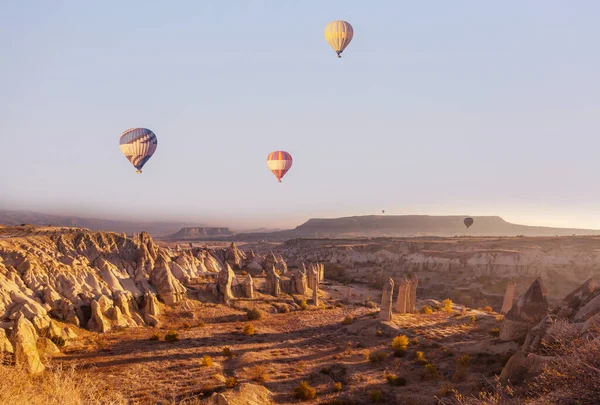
(225, 280)
(169, 289)
(529, 310)
(243, 394)
(273, 282)
(386, 300)
(300, 281)
(248, 286)
(508, 297)
(151, 309)
(402, 302)
(5, 345)
(25, 347)
(234, 257)
(414, 282)
(316, 288)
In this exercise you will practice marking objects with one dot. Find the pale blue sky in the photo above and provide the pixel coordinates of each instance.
(459, 107)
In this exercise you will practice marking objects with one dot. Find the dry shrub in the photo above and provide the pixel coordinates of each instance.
(337, 387)
(348, 320)
(446, 389)
(227, 352)
(427, 310)
(420, 358)
(304, 391)
(376, 395)
(254, 314)
(447, 304)
(249, 329)
(231, 382)
(499, 317)
(155, 336)
(172, 336)
(371, 304)
(393, 379)
(495, 332)
(400, 344)
(58, 386)
(258, 373)
(206, 361)
(303, 305)
(58, 341)
(378, 356)
(487, 308)
(430, 372)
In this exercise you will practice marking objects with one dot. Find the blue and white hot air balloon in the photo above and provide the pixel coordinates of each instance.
(138, 145)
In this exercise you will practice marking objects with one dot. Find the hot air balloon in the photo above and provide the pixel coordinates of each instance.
(138, 145)
(279, 163)
(468, 222)
(383, 211)
(339, 34)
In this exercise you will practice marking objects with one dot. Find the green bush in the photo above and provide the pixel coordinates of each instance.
(172, 336)
(58, 341)
(304, 391)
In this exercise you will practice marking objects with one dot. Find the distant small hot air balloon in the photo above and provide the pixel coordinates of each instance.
(468, 222)
(279, 163)
(383, 211)
(138, 145)
(339, 34)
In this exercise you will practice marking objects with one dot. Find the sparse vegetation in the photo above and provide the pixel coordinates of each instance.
(376, 395)
(303, 305)
(172, 336)
(420, 358)
(393, 379)
(206, 361)
(348, 320)
(155, 336)
(378, 356)
(227, 352)
(304, 391)
(371, 304)
(447, 305)
(487, 308)
(473, 319)
(430, 372)
(254, 314)
(258, 373)
(249, 329)
(337, 387)
(231, 382)
(499, 317)
(495, 332)
(427, 310)
(400, 344)
(58, 341)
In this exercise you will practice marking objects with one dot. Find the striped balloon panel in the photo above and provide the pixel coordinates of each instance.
(138, 145)
(279, 163)
(339, 34)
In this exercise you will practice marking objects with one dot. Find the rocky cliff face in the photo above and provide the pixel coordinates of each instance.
(91, 279)
(561, 263)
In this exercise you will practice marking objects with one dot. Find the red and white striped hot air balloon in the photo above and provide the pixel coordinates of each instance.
(279, 163)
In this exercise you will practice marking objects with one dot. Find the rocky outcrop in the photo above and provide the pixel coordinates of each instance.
(151, 309)
(169, 289)
(385, 314)
(224, 283)
(273, 282)
(243, 394)
(412, 305)
(316, 288)
(522, 366)
(5, 344)
(25, 347)
(300, 281)
(248, 287)
(529, 310)
(235, 257)
(509, 297)
(402, 301)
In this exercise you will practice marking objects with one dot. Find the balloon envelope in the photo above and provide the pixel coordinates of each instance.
(339, 34)
(138, 145)
(468, 222)
(279, 163)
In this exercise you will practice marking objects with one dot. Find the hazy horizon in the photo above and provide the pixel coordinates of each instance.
(459, 109)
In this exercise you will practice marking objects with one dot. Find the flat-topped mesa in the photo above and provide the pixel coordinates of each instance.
(402, 302)
(508, 297)
(273, 282)
(385, 312)
(224, 283)
(529, 310)
(235, 257)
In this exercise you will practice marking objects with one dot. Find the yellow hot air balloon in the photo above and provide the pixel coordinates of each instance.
(339, 34)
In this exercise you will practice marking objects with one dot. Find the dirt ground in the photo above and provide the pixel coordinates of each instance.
(310, 345)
